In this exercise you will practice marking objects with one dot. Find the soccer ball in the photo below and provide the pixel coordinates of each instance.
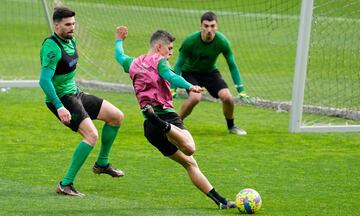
(248, 201)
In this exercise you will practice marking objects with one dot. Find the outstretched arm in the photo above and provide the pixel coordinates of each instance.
(123, 59)
(234, 70)
(235, 74)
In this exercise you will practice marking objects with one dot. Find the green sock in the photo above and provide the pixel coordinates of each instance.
(107, 139)
(81, 153)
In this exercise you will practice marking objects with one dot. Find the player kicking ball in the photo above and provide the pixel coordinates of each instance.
(163, 128)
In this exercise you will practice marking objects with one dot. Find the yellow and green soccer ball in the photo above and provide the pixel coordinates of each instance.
(248, 201)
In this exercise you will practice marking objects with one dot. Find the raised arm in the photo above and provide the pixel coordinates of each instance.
(123, 59)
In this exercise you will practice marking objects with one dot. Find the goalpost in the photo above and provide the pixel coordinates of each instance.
(352, 113)
(267, 37)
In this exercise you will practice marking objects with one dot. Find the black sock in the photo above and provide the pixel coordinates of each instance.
(217, 198)
(230, 123)
(155, 120)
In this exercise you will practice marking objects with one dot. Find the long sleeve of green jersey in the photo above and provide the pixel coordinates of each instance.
(179, 63)
(123, 59)
(50, 55)
(174, 79)
(47, 86)
(234, 70)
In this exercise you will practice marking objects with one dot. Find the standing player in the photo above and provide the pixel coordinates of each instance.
(71, 106)
(196, 63)
(163, 128)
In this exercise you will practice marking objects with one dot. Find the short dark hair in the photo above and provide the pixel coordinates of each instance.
(62, 12)
(163, 36)
(209, 16)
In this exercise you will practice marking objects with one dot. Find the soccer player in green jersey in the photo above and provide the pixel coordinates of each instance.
(71, 106)
(196, 63)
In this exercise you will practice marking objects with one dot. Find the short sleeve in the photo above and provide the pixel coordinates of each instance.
(50, 54)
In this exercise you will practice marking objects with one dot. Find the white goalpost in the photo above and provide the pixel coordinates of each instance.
(296, 123)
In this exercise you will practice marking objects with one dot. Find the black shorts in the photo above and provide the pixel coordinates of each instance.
(158, 138)
(213, 82)
(80, 106)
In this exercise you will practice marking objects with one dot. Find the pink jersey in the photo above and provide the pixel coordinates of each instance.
(150, 87)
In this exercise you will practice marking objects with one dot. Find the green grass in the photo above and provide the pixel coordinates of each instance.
(296, 174)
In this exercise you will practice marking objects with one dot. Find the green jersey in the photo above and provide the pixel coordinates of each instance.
(197, 56)
(50, 55)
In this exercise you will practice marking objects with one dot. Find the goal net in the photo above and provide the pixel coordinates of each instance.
(263, 34)
(329, 85)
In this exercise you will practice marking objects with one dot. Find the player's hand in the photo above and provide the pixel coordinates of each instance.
(121, 33)
(196, 89)
(64, 115)
(174, 93)
(245, 98)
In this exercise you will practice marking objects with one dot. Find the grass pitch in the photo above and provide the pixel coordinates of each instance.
(296, 174)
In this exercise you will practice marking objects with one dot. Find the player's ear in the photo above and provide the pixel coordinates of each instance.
(158, 47)
(56, 25)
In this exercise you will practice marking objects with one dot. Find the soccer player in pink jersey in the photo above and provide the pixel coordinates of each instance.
(164, 129)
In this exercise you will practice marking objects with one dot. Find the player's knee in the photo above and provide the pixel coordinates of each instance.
(116, 118)
(227, 100)
(119, 118)
(189, 149)
(92, 137)
(195, 98)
